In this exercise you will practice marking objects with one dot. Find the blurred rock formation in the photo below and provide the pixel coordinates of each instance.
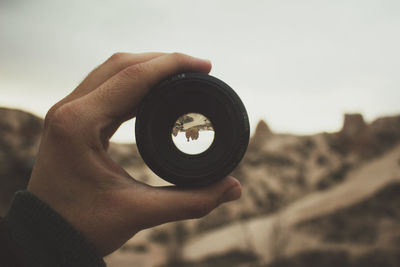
(329, 199)
(260, 135)
(19, 142)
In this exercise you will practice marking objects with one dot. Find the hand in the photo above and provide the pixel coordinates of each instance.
(75, 176)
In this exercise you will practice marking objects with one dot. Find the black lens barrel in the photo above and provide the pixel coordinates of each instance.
(192, 93)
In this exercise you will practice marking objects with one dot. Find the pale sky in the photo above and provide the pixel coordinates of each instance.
(297, 64)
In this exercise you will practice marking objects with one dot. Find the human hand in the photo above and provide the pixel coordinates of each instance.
(74, 174)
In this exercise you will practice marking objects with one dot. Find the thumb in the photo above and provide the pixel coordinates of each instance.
(173, 204)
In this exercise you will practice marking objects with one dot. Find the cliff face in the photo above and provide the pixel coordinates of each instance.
(333, 180)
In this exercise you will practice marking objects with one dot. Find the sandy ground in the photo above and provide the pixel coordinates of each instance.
(254, 234)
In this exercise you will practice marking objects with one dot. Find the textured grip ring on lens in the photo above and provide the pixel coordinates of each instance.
(192, 93)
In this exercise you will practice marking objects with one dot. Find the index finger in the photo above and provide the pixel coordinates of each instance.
(122, 93)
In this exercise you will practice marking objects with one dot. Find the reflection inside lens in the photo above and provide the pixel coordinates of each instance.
(192, 133)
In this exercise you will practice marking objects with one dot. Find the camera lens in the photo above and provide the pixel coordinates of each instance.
(192, 129)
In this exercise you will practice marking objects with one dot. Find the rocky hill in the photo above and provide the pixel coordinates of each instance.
(19, 142)
(329, 199)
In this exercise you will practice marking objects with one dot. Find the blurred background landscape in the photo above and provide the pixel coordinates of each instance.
(321, 84)
(328, 199)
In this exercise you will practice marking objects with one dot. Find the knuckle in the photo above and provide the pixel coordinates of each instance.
(179, 57)
(49, 115)
(117, 57)
(61, 121)
(134, 71)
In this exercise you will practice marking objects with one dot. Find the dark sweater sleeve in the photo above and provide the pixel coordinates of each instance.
(36, 235)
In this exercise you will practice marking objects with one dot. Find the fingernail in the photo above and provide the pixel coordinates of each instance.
(232, 194)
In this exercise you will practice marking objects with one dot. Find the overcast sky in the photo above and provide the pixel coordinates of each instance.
(297, 64)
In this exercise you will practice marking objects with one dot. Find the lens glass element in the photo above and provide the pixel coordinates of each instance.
(192, 133)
